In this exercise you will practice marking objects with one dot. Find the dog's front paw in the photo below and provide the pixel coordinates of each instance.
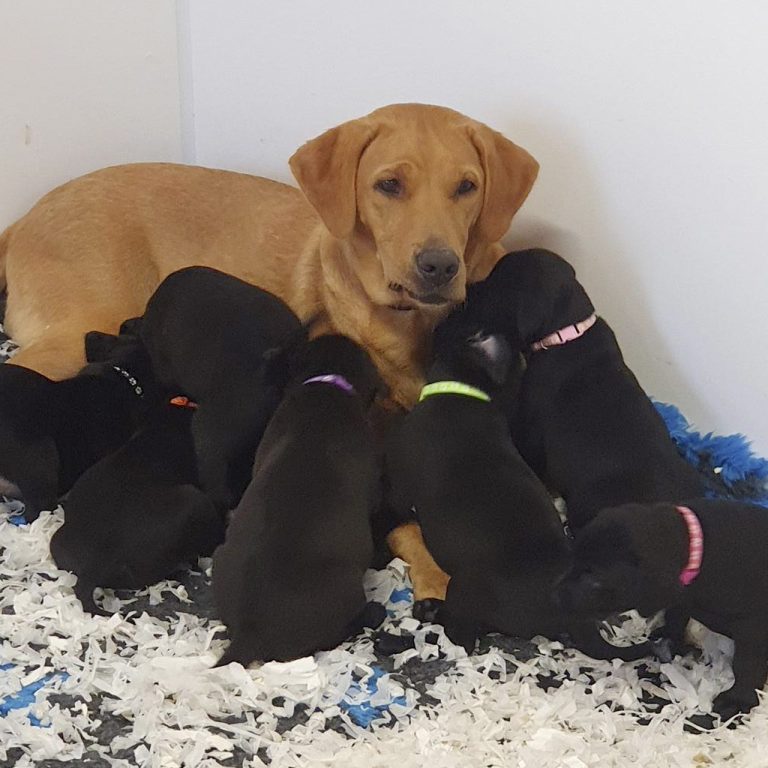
(388, 644)
(426, 611)
(730, 704)
(373, 615)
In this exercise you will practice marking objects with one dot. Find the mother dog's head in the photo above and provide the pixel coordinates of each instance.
(418, 196)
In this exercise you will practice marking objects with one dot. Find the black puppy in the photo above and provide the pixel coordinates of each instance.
(288, 579)
(486, 518)
(136, 515)
(582, 421)
(704, 560)
(209, 336)
(52, 431)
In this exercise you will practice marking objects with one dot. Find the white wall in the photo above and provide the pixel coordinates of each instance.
(650, 120)
(83, 84)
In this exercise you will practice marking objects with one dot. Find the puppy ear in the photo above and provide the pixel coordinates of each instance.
(131, 327)
(326, 170)
(509, 175)
(494, 355)
(99, 346)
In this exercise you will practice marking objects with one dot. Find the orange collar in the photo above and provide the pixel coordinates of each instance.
(182, 402)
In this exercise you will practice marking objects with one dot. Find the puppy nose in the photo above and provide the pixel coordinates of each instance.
(437, 266)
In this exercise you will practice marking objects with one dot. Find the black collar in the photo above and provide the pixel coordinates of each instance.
(131, 379)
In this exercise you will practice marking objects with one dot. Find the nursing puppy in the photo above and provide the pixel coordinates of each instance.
(136, 515)
(582, 421)
(486, 518)
(209, 336)
(288, 579)
(52, 431)
(705, 560)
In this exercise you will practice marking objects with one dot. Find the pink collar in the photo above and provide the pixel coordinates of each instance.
(564, 335)
(695, 546)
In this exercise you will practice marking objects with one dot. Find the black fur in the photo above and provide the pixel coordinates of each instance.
(486, 518)
(582, 421)
(135, 516)
(210, 336)
(288, 579)
(631, 557)
(52, 431)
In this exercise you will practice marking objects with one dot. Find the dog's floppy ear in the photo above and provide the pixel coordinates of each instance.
(326, 170)
(99, 346)
(493, 353)
(509, 175)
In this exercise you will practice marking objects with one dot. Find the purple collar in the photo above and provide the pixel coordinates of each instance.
(695, 546)
(334, 379)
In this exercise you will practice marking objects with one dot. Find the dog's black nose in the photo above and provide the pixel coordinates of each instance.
(437, 266)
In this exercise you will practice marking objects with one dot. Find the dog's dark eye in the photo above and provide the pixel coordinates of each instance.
(465, 187)
(391, 187)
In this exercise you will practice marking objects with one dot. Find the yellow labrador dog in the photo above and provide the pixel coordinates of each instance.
(397, 212)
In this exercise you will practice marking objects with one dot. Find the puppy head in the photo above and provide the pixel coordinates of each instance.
(464, 351)
(528, 295)
(423, 191)
(627, 557)
(330, 354)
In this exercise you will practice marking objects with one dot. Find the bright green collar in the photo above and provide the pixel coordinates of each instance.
(453, 388)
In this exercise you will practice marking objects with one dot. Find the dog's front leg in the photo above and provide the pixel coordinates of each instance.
(429, 581)
(750, 668)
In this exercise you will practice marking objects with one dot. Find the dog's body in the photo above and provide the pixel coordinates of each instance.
(582, 421)
(136, 515)
(210, 336)
(52, 431)
(486, 517)
(288, 579)
(633, 557)
(400, 209)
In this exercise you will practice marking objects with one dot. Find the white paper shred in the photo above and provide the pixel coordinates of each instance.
(484, 710)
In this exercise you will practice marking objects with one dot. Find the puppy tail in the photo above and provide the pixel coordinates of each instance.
(5, 239)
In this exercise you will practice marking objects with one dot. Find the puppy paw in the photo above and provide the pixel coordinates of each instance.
(388, 644)
(373, 615)
(426, 611)
(699, 723)
(461, 633)
(730, 705)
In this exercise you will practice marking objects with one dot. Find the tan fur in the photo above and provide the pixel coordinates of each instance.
(429, 581)
(91, 252)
